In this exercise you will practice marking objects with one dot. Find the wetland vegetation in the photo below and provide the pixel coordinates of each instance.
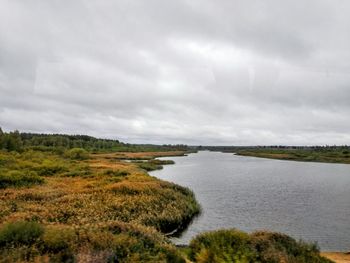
(66, 204)
(75, 199)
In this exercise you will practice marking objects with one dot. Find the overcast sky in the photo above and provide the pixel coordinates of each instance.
(185, 71)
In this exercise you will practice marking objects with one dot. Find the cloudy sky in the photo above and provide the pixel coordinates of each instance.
(188, 71)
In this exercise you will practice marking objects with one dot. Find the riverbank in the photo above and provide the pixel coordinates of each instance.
(309, 155)
(337, 257)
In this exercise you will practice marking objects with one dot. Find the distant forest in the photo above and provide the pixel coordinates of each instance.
(17, 141)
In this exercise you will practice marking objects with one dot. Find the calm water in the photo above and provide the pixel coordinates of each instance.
(305, 200)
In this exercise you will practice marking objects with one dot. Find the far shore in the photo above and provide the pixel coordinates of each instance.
(322, 156)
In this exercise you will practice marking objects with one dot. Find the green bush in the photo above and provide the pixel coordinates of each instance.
(260, 247)
(6, 159)
(19, 178)
(77, 154)
(277, 247)
(58, 239)
(50, 167)
(129, 247)
(20, 233)
(222, 246)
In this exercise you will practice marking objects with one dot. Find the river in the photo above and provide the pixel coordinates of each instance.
(306, 200)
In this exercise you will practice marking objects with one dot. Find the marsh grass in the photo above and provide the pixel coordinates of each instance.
(17, 178)
(99, 209)
(153, 164)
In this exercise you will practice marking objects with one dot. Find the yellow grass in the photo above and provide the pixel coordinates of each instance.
(99, 201)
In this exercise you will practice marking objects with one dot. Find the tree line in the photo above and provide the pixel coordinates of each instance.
(16, 141)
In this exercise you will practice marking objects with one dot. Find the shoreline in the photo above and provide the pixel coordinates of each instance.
(337, 257)
(290, 157)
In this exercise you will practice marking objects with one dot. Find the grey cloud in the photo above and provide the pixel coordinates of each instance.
(196, 72)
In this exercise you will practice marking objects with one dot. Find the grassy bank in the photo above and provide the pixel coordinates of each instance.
(326, 155)
(83, 207)
(259, 247)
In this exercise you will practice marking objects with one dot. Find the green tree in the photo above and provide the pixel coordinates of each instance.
(77, 154)
(11, 141)
(1, 138)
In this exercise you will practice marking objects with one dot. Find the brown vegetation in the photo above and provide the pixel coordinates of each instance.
(102, 208)
(337, 257)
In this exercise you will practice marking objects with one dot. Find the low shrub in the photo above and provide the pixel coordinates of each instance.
(222, 246)
(77, 154)
(260, 247)
(20, 233)
(50, 167)
(19, 179)
(57, 239)
(277, 247)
